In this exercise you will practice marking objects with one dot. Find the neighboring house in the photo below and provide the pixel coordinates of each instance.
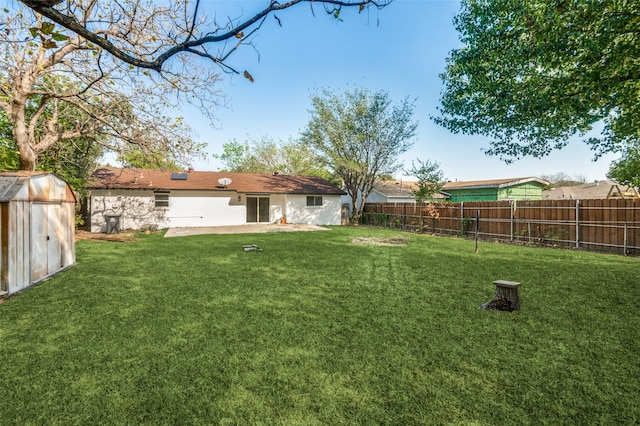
(529, 188)
(588, 191)
(142, 199)
(398, 191)
(393, 191)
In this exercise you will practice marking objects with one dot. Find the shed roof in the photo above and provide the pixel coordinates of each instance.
(493, 183)
(118, 178)
(34, 186)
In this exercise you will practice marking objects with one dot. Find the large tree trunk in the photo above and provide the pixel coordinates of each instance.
(27, 162)
(355, 214)
(27, 155)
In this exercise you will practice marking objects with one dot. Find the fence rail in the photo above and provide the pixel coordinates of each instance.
(611, 225)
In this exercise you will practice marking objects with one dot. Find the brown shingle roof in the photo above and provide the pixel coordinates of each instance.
(585, 191)
(116, 178)
(395, 188)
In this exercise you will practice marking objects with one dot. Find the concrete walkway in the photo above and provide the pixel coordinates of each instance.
(242, 229)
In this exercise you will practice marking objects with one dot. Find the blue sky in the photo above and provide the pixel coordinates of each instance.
(400, 49)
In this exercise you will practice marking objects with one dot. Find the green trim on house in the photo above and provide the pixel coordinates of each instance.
(522, 191)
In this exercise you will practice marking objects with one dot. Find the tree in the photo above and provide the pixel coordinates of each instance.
(626, 170)
(532, 74)
(74, 159)
(360, 135)
(563, 179)
(55, 87)
(168, 29)
(430, 179)
(270, 156)
(92, 42)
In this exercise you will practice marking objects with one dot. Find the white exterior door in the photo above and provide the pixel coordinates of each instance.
(46, 249)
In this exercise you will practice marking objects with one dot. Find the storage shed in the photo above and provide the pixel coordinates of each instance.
(37, 228)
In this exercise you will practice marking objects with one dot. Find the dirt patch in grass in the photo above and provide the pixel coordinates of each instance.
(123, 237)
(376, 241)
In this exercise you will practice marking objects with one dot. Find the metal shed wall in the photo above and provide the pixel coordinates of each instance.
(37, 228)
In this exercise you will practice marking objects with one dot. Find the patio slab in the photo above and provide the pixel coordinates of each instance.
(242, 229)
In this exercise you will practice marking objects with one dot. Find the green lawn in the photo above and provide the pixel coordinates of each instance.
(317, 330)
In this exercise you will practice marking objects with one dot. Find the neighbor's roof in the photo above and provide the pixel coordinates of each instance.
(399, 189)
(494, 183)
(395, 188)
(585, 191)
(117, 178)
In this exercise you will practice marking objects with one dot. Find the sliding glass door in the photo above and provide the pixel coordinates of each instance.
(257, 209)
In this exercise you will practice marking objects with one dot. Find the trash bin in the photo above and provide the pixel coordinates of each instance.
(113, 223)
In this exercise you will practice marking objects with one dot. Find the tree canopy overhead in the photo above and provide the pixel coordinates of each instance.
(532, 74)
(60, 57)
(56, 87)
(172, 27)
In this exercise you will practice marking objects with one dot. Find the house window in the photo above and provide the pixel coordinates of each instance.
(161, 198)
(314, 200)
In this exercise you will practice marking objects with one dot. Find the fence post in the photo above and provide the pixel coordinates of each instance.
(404, 216)
(513, 212)
(577, 223)
(625, 239)
(461, 213)
(477, 227)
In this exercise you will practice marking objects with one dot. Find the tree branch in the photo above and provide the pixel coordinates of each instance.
(46, 8)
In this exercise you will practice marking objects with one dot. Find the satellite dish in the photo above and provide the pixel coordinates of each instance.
(224, 181)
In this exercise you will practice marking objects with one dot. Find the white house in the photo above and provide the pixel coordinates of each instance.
(142, 199)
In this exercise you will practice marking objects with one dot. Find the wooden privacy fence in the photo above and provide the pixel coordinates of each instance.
(611, 225)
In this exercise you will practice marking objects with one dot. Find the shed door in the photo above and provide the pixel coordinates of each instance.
(46, 248)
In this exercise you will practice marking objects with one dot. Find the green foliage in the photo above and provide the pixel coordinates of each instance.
(9, 154)
(235, 157)
(465, 225)
(626, 170)
(532, 74)
(139, 158)
(318, 330)
(430, 178)
(268, 156)
(359, 135)
(47, 35)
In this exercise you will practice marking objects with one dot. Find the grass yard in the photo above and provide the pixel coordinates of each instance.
(315, 329)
